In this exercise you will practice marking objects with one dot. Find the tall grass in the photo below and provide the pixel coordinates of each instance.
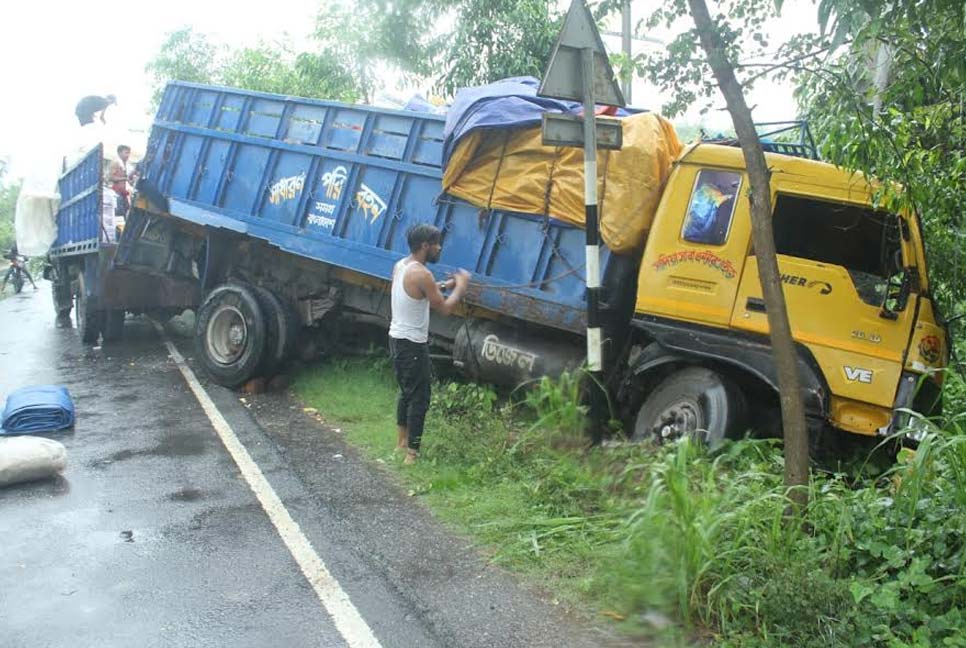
(701, 538)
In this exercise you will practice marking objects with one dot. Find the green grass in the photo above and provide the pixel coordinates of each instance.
(699, 538)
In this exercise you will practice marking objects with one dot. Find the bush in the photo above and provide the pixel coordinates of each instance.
(698, 537)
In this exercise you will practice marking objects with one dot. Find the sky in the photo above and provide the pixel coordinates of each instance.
(54, 52)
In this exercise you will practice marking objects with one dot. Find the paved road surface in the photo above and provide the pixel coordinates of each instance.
(159, 535)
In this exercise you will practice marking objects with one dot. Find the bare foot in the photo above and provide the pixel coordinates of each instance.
(411, 457)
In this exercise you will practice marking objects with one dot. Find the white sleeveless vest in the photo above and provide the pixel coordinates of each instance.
(410, 317)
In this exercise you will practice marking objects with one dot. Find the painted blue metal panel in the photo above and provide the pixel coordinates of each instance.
(342, 184)
(79, 214)
(184, 169)
(211, 172)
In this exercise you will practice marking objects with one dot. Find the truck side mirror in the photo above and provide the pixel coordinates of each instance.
(898, 289)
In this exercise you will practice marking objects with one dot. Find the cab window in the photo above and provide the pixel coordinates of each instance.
(863, 240)
(712, 207)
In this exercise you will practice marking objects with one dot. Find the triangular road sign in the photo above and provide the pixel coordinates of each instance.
(563, 77)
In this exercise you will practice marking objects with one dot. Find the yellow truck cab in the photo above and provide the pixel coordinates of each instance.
(868, 336)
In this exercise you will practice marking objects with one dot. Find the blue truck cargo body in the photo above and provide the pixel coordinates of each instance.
(341, 184)
(82, 261)
(79, 215)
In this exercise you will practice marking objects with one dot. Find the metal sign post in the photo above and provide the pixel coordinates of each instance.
(579, 70)
(595, 361)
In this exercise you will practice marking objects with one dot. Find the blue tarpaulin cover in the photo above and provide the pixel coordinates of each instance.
(42, 408)
(509, 103)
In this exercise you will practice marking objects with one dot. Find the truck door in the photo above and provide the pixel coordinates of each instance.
(836, 259)
(696, 247)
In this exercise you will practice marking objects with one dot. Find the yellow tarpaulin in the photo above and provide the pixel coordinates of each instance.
(511, 169)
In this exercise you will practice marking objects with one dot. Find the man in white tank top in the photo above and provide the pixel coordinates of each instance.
(414, 292)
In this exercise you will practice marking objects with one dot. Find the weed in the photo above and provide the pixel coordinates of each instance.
(679, 531)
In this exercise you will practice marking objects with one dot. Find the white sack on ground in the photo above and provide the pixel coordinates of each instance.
(26, 458)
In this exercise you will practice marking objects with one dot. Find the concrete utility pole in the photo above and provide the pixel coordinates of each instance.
(627, 81)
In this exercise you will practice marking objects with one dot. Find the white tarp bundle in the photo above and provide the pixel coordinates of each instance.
(25, 458)
(35, 220)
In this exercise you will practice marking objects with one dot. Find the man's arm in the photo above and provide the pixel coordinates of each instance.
(437, 301)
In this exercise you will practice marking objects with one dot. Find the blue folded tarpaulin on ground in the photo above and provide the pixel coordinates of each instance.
(44, 408)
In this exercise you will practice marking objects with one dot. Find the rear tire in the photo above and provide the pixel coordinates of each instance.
(61, 293)
(89, 320)
(282, 327)
(230, 334)
(113, 325)
(17, 281)
(695, 402)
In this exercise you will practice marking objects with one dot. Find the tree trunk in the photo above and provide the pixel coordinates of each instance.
(786, 361)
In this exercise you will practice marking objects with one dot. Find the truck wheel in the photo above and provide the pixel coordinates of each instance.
(230, 334)
(113, 325)
(282, 329)
(61, 295)
(89, 320)
(694, 402)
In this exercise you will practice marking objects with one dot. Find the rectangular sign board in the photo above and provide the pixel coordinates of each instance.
(568, 130)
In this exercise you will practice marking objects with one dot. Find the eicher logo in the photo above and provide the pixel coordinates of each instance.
(824, 287)
(286, 188)
(857, 374)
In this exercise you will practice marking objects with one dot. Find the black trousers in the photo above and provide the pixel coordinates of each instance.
(414, 373)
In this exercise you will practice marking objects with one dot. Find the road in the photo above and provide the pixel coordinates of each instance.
(185, 518)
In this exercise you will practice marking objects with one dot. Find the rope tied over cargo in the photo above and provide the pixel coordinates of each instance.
(496, 174)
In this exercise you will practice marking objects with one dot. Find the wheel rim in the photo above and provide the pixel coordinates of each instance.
(680, 419)
(227, 335)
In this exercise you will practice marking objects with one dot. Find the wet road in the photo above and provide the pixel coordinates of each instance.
(160, 534)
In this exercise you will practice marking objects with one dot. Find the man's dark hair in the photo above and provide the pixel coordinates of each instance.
(422, 233)
(122, 148)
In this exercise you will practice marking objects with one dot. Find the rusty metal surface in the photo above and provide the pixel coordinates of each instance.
(138, 291)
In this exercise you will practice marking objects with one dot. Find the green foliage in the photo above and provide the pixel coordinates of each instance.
(267, 67)
(487, 40)
(682, 69)
(700, 538)
(496, 39)
(557, 404)
(9, 191)
(918, 138)
(185, 55)
(275, 68)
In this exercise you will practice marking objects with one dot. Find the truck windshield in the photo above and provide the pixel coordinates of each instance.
(863, 240)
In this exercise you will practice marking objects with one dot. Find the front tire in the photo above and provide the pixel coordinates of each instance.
(230, 334)
(694, 402)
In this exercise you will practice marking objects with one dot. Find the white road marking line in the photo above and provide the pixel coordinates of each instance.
(346, 617)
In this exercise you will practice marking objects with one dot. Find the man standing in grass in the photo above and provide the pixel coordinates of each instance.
(414, 291)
